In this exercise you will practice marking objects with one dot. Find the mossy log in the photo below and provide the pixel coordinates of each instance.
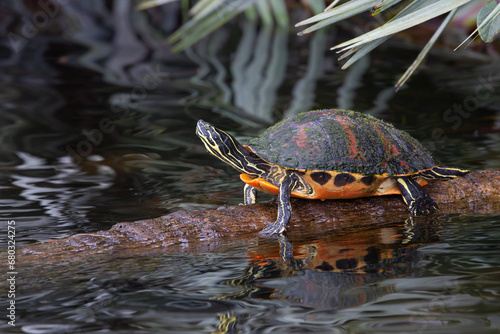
(206, 230)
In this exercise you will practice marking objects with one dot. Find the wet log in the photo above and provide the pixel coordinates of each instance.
(206, 230)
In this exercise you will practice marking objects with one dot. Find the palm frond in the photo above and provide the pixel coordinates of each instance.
(145, 4)
(424, 51)
(384, 5)
(330, 6)
(415, 13)
(425, 13)
(210, 15)
(361, 51)
(488, 22)
(339, 13)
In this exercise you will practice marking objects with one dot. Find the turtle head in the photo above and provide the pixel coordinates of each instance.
(217, 142)
(225, 147)
(207, 132)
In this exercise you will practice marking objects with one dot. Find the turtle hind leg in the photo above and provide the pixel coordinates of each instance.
(442, 173)
(419, 203)
(288, 183)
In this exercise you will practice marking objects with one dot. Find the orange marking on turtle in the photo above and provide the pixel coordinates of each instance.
(388, 145)
(395, 150)
(346, 125)
(301, 137)
(320, 113)
(404, 164)
(353, 189)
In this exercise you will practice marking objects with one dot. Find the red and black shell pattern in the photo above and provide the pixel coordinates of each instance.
(341, 140)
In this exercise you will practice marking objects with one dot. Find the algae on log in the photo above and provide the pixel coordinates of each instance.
(205, 230)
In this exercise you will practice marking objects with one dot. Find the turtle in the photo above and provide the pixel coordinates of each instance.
(329, 154)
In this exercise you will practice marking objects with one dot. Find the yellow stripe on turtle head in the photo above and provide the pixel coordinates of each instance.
(225, 147)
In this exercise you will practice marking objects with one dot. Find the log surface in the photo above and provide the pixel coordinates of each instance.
(205, 230)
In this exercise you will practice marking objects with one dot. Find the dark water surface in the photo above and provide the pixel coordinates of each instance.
(97, 122)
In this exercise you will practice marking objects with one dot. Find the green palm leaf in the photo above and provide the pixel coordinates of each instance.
(152, 3)
(488, 22)
(210, 15)
(421, 15)
(424, 51)
(339, 13)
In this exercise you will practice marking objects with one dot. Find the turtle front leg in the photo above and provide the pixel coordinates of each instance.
(288, 183)
(419, 203)
(250, 194)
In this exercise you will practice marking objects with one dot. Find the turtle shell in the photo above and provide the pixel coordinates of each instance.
(341, 140)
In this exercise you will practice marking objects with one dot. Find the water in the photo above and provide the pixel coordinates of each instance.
(97, 127)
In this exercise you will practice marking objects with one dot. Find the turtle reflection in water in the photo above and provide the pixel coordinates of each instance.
(329, 154)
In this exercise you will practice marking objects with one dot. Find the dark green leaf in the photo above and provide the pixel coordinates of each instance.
(492, 28)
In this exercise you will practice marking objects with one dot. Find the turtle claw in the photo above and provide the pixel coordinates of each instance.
(423, 205)
(272, 230)
(418, 201)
